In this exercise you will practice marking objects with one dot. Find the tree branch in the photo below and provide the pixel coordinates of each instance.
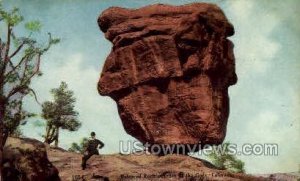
(49, 43)
(13, 69)
(7, 47)
(25, 69)
(15, 90)
(35, 96)
(17, 50)
(2, 45)
(25, 57)
(22, 86)
(6, 52)
(37, 69)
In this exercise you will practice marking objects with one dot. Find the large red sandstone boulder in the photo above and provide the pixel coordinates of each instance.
(169, 71)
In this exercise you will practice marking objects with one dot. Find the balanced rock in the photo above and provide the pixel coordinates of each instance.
(169, 71)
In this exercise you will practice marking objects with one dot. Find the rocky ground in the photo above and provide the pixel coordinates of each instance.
(29, 159)
(138, 167)
(292, 176)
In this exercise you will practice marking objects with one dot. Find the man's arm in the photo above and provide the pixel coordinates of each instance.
(101, 144)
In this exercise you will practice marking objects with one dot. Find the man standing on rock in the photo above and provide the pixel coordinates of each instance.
(91, 149)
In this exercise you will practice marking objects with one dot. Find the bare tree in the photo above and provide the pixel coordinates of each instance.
(20, 62)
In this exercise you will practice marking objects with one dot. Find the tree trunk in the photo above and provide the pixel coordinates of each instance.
(48, 127)
(2, 135)
(56, 137)
(1, 146)
(50, 138)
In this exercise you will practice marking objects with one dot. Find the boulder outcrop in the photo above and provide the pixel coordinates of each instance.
(169, 71)
(26, 159)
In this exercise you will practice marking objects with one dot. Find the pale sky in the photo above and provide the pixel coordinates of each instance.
(265, 102)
